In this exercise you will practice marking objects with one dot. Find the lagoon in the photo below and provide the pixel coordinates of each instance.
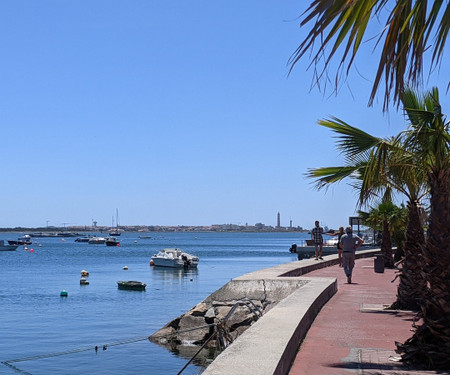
(35, 320)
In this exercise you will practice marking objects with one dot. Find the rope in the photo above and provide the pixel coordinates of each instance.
(78, 350)
(220, 331)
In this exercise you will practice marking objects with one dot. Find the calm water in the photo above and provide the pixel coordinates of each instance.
(35, 320)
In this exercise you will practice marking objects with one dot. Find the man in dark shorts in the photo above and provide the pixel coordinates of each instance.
(317, 238)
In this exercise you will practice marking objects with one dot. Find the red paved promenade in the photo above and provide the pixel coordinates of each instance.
(352, 334)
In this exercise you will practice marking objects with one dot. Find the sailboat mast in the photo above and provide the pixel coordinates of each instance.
(117, 217)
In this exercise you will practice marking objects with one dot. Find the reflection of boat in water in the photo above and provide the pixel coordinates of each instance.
(4, 247)
(179, 275)
(174, 258)
(131, 285)
(96, 240)
(25, 240)
(112, 241)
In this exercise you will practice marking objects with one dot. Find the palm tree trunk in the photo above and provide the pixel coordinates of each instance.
(386, 246)
(430, 344)
(412, 287)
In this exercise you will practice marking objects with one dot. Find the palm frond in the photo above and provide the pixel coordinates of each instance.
(407, 29)
(350, 140)
(326, 176)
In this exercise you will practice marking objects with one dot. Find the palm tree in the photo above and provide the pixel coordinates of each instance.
(428, 136)
(379, 165)
(384, 218)
(404, 38)
(391, 221)
(422, 150)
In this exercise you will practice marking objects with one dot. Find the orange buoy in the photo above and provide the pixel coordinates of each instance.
(152, 263)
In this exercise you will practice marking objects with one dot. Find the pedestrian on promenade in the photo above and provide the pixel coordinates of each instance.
(350, 243)
(317, 238)
(339, 233)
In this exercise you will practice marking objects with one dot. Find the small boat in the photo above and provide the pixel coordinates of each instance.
(131, 285)
(115, 232)
(4, 247)
(25, 240)
(174, 258)
(82, 239)
(145, 237)
(96, 240)
(112, 241)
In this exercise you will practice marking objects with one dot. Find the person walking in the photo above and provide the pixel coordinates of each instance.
(317, 238)
(339, 233)
(349, 243)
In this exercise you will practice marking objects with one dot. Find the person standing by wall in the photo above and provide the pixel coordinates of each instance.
(349, 243)
(317, 238)
(339, 233)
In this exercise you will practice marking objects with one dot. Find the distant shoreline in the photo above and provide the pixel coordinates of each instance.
(148, 229)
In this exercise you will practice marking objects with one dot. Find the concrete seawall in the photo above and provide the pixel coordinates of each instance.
(269, 346)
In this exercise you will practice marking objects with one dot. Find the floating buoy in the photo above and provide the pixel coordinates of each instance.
(152, 263)
(84, 273)
(83, 281)
(40, 245)
(118, 245)
(125, 267)
(191, 279)
(64, 293)
(31, 251)
(135, 241)
(25, 248)
(63, 240)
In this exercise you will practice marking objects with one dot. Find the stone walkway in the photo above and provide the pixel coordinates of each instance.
(353, 333)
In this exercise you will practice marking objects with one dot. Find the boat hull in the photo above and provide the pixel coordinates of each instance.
(8, 247)
(174, 258)
(131, 285)
(97, 241)
(172, 263)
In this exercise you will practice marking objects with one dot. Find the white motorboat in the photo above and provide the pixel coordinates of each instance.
(97, 240)
(175, 258)
(4, 247)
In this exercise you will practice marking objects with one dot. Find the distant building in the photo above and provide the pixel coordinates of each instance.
(278, 220)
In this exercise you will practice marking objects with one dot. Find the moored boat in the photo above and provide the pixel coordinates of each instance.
(112, 241)
(96, 240)
(83, 239)
(175, 258)
(4, 247)
(25, 240)
(131, 285)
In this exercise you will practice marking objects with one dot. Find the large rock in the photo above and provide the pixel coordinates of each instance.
(192, 330)
(199, 310)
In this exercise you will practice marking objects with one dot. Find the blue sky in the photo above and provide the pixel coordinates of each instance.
(174, 112)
